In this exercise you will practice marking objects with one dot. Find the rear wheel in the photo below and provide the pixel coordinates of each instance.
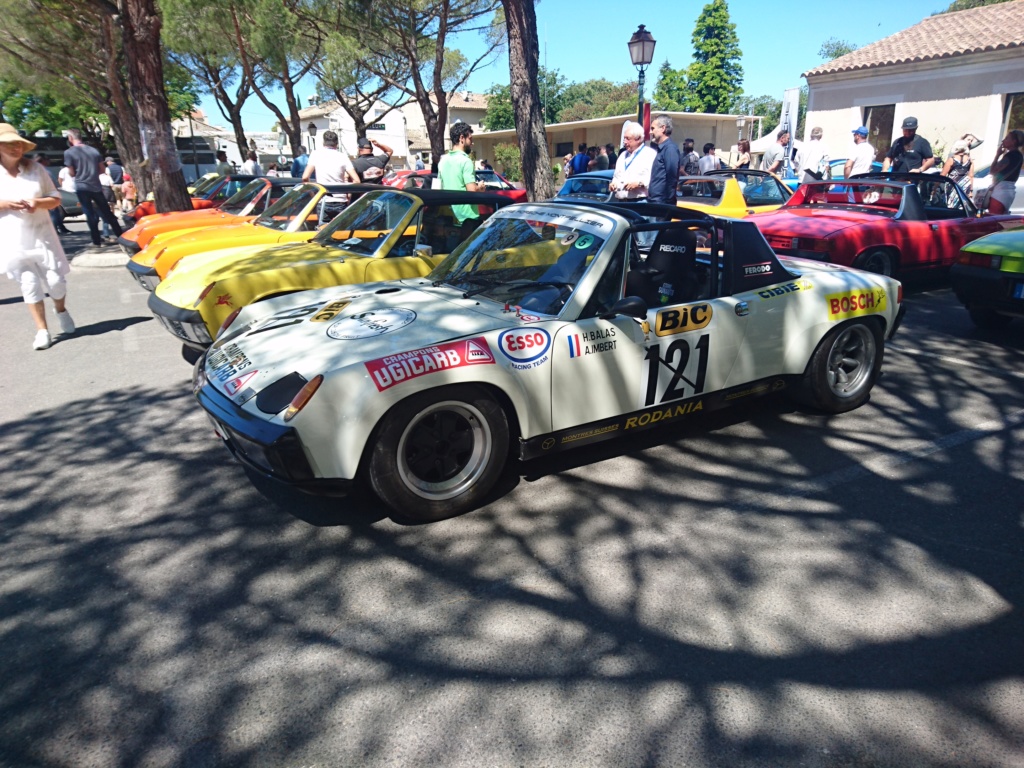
(439, 453)
(844, 367)
(880, 261)
(987, 319)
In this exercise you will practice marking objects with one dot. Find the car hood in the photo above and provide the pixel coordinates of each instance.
(809, 221)
(345, 326)
(280, 257)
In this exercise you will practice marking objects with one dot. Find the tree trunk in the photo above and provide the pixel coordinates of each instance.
(523, 55)
(140, 27)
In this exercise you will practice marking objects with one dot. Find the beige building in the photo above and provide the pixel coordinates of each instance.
(463, 106)
(563, 138)
(957, 73)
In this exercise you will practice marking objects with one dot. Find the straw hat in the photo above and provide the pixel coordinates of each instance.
(9, 134)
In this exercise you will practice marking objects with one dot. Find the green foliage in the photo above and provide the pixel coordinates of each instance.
(670, 90)
(963, 5)
(715, 76)
(833, 48)
(597, 98)
(499, 115)
(764, 106)
(181, 88)
(30, 110)
(552, 88)
(508, 158)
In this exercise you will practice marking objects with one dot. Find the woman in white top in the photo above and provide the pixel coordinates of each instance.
(32, 255)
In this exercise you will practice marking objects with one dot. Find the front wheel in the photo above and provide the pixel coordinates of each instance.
(439, 453)
(879, 261)
(844, 367)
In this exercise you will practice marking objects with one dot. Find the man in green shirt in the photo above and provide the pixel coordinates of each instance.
(455, 170)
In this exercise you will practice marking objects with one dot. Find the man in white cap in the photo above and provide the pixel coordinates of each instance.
(862, 155)
(910, 153)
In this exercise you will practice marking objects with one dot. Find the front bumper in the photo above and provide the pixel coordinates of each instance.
(144, 276)
(186, 324)
(130, 247)
(272, 450)
(985, 288)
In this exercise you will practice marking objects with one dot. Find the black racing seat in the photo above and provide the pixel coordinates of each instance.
(669, 274)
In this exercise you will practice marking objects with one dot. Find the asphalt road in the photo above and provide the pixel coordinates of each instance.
(758, 587)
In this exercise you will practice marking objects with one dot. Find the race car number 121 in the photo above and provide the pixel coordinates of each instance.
(677, 357)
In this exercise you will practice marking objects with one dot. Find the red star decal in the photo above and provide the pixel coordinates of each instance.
(224, 300)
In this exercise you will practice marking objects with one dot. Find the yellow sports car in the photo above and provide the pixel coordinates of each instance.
(386, 234)
(735, 193)
(294, 218)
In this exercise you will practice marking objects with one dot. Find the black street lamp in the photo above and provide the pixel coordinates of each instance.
(641, 51)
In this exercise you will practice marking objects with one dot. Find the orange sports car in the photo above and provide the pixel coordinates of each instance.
(213, 195)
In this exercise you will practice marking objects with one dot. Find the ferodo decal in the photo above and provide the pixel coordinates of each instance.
(388, 371)
(785, 289)
(854, 303)
(330, 311)
(525, 348)
(375, 322)
(682, 319)
(591, 342)
(752, 270)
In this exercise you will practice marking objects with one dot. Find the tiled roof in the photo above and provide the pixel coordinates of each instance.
(318, 110)
(989, 28)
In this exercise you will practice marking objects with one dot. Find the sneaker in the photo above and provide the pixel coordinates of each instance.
(42, 340)
(67, 325)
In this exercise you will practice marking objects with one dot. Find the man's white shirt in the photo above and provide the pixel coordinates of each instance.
(633, 168)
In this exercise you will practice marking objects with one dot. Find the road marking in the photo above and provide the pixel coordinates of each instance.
(956, 361)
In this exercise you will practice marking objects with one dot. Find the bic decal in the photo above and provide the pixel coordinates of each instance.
(684, 319)
(667, 374)
(854, 303)
(329, 312)
(388, 371)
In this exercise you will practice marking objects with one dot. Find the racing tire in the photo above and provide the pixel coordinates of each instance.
(880, 261)
(438, 454)
(844, 367)
(988, 320)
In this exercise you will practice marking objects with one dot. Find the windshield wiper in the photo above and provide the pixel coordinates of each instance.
(540, 284)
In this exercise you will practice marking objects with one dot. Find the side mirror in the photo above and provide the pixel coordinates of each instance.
(423, 251)
(630, 306)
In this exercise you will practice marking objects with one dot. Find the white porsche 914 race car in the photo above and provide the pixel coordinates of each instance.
(551, 327)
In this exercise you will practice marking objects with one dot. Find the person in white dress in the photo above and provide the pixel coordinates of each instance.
(32, 255)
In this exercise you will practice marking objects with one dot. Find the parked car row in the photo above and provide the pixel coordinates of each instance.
(368, 333)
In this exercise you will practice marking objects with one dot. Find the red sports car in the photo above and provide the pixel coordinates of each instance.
(492, 181)
(899, 224)
(212, 196)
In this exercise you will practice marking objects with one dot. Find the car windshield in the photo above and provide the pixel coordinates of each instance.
(491, 180)
(531, 257)
(703, 191)
(762, 190)
(204, 185)
(238, 202)
(282, 213)
(881, 199)
(364, 226)
(586, 187)
(225, 190)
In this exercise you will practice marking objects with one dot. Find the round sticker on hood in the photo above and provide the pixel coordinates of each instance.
(375, 322)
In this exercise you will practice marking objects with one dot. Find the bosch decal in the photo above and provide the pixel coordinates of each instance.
(375, 322)
(785, 289)
(682, 319)
(525, 348)
(388, 371)
(591, 342)
(854, 303)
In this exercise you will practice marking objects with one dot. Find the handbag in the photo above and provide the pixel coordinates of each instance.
(981, 198)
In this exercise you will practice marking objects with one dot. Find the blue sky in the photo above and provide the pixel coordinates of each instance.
(779, 41)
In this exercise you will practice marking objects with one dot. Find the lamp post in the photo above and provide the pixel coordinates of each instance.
(311, 130)
(641, 51)
(740, 123)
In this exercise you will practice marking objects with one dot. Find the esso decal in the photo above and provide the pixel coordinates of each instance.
(524, 345)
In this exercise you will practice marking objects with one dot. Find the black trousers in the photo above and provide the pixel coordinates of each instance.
(95, 207)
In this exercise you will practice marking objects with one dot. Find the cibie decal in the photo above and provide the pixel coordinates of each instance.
(853, 303)
(235, 386)
(682, 319)
(388, 371)
(785, 289)
(525, 347)
(591, 342)
(374, 322)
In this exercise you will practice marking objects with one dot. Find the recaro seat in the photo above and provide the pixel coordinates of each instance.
(669, 275)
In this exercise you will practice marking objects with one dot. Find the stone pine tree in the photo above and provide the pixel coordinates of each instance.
(715, 76)
(670, 90)
(523, 62)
